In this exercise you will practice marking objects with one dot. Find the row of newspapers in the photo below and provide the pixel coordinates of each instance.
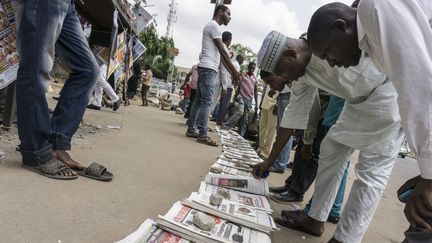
(229, 206)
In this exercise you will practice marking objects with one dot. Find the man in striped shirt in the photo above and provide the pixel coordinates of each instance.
(243, 96)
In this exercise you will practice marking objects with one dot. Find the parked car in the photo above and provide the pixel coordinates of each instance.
(159, 88)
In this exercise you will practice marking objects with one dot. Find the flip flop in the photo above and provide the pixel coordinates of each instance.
(97, 172)
(51, 170)
(292, 224)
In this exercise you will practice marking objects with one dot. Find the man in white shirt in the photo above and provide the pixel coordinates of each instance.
(103, 85)
(212, 53)
(369, 122)
(397, 36)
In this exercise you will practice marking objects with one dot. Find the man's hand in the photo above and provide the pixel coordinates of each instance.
(418, 209)
(236, 78)
(306, 151)
(271, 93)
(261, 170)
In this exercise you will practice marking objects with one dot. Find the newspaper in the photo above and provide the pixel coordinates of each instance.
(239, 183)
(226, 168)
(256, 201)
(9, 58)
(179, 220)
(148, 232)
(232, 211)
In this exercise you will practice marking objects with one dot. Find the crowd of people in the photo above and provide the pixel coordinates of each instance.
(360, 79)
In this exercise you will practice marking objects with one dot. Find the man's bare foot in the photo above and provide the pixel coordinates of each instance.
(303, 223)
(333, 240)
(64, 156)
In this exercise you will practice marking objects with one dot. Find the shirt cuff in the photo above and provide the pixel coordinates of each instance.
(425, 165)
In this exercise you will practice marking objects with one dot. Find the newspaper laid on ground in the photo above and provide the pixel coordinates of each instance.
(232, 211)
(229, 168)
(179, 221)
(148, 232)
(256, 201)
(240, 183)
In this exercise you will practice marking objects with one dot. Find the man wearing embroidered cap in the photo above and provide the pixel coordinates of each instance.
(397, 36)
(370, 123)
(212, 54)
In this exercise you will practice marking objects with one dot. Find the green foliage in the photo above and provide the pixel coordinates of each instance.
(158, 52)
(245, 51)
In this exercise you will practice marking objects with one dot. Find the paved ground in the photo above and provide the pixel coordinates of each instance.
(154, 166)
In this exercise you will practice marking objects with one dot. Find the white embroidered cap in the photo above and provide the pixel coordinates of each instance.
(270, 51)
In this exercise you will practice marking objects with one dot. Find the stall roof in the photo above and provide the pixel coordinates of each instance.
(99, 13)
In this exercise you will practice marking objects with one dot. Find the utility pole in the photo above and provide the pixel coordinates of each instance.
(172, 18)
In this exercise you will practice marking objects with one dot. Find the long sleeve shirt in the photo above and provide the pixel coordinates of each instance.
(397, 36)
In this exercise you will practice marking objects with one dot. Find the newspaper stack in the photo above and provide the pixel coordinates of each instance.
(235, 212)
(233, 168)
(149, 232)
(242, 212)
(179, 221)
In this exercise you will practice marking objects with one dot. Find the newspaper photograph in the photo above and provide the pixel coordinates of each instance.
(256, 201)
(180, 219)
(240, 183)
(148, 232)
(235, 212)
(9, 59)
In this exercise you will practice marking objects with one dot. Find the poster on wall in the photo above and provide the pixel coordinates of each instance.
(118, 57)
(9, 59)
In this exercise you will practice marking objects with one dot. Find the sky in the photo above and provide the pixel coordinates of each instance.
(251, 21)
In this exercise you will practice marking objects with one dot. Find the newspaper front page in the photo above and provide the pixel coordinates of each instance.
(256, 201)
(179, 220)
(239, 183)
(232, 211)
(148, 232)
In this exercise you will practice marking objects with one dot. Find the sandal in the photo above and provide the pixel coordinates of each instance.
(191, 134)
(208, 141)
(52, 169)
(96, 171)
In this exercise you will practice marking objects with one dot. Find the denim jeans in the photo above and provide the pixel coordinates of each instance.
(282, 161)
(46, 27)
(185, 104)
(224, 105)
(200, 111)
(241, 112)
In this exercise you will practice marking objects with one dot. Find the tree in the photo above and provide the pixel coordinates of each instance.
(245, 51)
(158, 53)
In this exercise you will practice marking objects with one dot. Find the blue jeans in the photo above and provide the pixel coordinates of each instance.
(45, 26)
(185, 104)
(336, 210)
(200, 111)
(224, 105)
(244, 107)
(282, 161)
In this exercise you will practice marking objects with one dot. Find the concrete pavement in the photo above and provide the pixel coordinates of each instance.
(154, 165)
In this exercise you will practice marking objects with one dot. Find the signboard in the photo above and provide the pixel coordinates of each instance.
(9, 59)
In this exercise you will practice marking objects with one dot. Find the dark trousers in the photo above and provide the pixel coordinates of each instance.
(224, 105)
(191, 100)
(304, 171)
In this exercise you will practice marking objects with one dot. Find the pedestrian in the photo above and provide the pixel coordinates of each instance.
(369, 122)
(47, 28)
(247, 90)
(101, 86)
(186, 95)
(192, 78)
(212, 53)
(222, 76)
(132, 83)
(267, 122)
(396, 35)
(146, 83)
(227, 87)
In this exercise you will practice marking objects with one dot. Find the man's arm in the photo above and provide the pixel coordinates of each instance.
(256, 97)
(404, 50)
(226, 61)
(303, 103)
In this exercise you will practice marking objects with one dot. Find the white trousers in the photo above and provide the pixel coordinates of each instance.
(267, 131)
(372, 173)
(216, 95)
(103, 85)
